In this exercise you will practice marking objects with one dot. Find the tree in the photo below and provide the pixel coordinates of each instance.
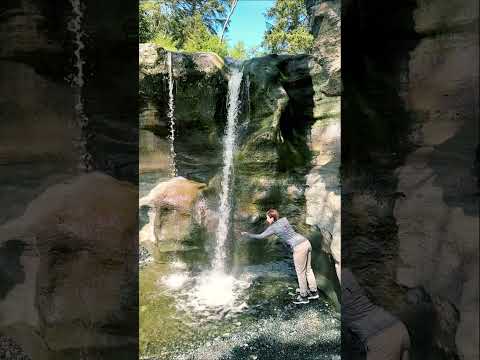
(165, 42)
(212, 12)
(288, 28)
(256, 51)
(150, 19)
(239, 51)
(190, 25)
(173, 18)
(199, 38)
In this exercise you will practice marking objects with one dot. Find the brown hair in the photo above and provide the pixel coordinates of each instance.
(273, 213)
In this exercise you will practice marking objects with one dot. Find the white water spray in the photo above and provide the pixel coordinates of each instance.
(171, 115)
(81, 120)
(229, 145)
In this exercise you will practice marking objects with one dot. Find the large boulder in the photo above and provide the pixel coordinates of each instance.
(69, 272)
(174, 206)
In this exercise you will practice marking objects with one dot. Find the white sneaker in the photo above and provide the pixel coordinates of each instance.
(301, 300)
(311, 294)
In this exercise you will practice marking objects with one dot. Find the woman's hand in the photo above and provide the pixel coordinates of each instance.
(244, 236)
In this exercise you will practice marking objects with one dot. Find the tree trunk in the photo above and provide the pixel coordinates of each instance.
(234, 5)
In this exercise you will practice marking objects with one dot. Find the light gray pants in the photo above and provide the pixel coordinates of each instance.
(392, 343)
(302, 258)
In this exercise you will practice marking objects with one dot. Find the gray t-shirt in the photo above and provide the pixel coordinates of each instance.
(359, 314)
(283, 230)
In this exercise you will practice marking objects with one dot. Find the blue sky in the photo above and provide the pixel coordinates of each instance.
(248, 23)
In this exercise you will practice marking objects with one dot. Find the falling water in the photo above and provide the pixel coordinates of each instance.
(81, 120)
(228, 152)
(247, 96)
(215, 289)
(171, 116)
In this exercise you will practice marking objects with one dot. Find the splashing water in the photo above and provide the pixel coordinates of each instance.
(75, 26)
(212, 293)
(176, 280)
(228, 152)
(216, 289)
(171, 115)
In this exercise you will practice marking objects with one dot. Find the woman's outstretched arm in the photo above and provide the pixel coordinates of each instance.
(268, 232)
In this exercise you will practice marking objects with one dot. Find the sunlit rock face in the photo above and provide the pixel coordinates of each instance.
(323, 202)
(70, 253)
(152, 60)
(325, 25)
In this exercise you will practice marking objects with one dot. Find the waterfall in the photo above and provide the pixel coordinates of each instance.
(228, 153)
(247, 96)
(81, 120)
(171, 115)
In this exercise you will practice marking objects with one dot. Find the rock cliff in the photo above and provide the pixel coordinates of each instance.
(409, 141)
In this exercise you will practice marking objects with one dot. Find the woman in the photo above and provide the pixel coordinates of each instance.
(302, 254)
(383, 336)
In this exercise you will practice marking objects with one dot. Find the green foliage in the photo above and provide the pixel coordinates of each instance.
(199, 38)
(188, 25)
(213, 12)
(288, 28)
(193, 25)
(239, 51)
(174, 18)
(165, 42)
(257, 51)
(151, 19)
